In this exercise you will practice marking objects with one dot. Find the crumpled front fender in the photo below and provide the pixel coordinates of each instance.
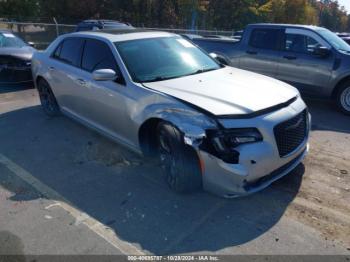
(191, 123)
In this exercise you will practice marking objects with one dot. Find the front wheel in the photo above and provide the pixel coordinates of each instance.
(179, 161)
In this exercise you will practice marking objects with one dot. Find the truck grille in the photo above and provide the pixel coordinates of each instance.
(290, 134)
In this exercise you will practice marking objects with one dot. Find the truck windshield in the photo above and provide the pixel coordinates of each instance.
(157, 59)
(334, 40)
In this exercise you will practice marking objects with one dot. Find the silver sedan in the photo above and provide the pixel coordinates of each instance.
(229, 131)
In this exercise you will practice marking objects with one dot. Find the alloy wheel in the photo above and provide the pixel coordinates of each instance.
(345, 99)
(168, 158)
(47, 99)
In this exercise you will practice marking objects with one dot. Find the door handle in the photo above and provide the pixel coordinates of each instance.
(51, 68)
(290, 57)
(81, 82)
(251, 52)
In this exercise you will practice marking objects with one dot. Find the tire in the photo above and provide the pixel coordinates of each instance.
(179, 161)
(47, 98)
(343, 98)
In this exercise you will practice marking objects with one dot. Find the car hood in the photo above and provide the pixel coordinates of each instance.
(24, 53)
(228, 91)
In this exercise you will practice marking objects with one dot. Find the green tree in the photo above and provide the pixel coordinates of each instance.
(69, 11)
(332, 16)
(19, 8)
(272, 11)
(226, 14)
(211, 14)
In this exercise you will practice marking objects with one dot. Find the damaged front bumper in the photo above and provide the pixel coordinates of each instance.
(259, 164)
(233, 180)
(13, 74)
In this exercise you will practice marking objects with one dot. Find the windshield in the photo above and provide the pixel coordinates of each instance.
(156, 59)
(334, 40)
(10, 40)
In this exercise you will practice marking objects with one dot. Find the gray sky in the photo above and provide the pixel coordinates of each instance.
(345, 3)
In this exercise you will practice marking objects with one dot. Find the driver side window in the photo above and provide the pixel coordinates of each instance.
(98, 55)
(298, 43)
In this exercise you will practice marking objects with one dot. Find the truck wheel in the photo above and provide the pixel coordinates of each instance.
(48, 99)
(343, 98)
(179, 161)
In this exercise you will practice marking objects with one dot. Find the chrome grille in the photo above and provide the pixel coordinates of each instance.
(290, 134)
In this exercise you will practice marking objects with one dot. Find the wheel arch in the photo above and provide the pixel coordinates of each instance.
(146, 136)
(339, 85)
(38, 78)
(191, 127)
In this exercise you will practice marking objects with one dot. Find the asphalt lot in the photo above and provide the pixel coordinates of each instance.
(66, 190)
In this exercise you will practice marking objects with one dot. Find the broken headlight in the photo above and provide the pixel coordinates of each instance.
(232, 138)
(222, 143)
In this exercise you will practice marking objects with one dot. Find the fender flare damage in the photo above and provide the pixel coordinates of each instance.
(191, 124)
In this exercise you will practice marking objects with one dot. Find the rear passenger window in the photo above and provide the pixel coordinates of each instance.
(98, 55)
(70, 52)
(264, 38)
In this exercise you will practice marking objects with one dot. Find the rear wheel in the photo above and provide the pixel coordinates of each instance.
(48, 99)
(179, 161)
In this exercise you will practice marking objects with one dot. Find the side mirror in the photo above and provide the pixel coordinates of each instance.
(220, 59)
(32, 44)
(322, 51)
(213, 55)
(104, 75)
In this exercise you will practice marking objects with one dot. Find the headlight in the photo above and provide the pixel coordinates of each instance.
(228, 139)
(222, 143)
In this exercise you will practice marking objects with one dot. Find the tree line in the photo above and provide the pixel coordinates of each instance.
(199, 14)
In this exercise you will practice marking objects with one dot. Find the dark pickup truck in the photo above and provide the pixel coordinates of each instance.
(311, 58)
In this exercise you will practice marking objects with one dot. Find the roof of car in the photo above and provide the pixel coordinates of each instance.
(102, 21)
(125, 35)
(191, 36)
(313, 27)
